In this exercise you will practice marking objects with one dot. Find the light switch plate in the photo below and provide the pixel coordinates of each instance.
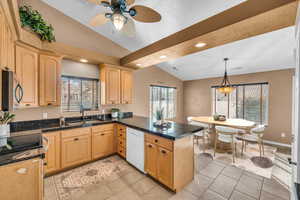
(45, 115)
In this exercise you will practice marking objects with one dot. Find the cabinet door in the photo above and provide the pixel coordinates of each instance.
(22, 180)
(49, 80)
(27, 75)
(165, 167)
(103, 144)
(126, 85)
(151, 159)
(75, 150)
(52, 158)
(112, 86)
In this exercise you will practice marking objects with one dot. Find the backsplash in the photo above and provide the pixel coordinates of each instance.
(43, 123)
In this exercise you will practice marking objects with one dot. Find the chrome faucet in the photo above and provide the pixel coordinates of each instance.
(82, 111)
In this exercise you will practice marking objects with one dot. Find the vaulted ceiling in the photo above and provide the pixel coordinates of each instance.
(260, 53)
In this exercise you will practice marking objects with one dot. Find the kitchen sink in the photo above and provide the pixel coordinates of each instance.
(79, 123)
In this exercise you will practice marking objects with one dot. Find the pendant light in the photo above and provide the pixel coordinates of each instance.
(225, 87)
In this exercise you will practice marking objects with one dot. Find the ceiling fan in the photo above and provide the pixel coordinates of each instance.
(121, 16)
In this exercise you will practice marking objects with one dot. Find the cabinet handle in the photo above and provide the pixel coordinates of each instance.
(49, 104)
(22, 171)
(76, 139)
(27, 104)
(45, 164)
(150, 145)
(163, 151)
(156, 140)
(102, 134)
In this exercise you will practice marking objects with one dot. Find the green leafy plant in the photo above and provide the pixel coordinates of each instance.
(115, 110)
(33, 19)
(6, 118)
(159, 115)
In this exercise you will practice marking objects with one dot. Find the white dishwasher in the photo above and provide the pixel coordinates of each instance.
(135, 148)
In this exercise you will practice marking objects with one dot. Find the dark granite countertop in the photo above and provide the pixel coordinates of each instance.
(28, 135)
(176, 131)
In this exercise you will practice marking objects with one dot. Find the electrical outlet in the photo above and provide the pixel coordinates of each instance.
(45, 115)
(283, 135)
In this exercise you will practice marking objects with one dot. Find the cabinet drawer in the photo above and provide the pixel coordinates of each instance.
(104, 127)
(75, 132)
(121, 142)
(103, 133)
(121, 128)
(122, 151)
(122, 135)
(165, 143)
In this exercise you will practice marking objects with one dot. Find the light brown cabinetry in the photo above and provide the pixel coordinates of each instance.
(75, 147)
(7, 46)
(121, 136)
(49, 80)
(110, 85)
(116, 85)
(126, 87)
(52, 156)
(25, 180)
(27, 74)
(171, 162)
(103, 141)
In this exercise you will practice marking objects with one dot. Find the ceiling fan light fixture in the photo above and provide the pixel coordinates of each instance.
(83, 60)
(200, 44)
(118, 21)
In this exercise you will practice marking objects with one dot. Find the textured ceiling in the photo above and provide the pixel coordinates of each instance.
(266, 52)
(270, 51)
(176, 15)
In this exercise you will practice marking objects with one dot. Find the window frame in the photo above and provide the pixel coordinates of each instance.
(81, 101)
(151, 97)
(243, 86)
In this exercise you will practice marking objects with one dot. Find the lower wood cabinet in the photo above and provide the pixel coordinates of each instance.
(165, 166)
(170, 161)
(103, 144)
(52, 156)
(25, 180)
(75, 147)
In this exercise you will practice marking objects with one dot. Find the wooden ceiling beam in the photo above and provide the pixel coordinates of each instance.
(248, 19)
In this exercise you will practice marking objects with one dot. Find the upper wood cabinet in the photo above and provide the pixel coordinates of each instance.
(7, 42)
(126, 87)
(27, 74)
(49, 80)
(116, 85)
(52, 156)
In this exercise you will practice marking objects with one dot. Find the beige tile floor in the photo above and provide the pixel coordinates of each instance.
(214, 180)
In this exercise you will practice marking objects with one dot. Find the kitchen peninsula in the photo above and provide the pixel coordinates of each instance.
(168, 153)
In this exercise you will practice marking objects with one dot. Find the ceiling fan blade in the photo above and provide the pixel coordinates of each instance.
(98, 20)
(129, 28)
(146, 14)
(129, 2)
(95, 1)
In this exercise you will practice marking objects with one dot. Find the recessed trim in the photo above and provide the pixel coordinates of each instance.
(163, 56)
(138, 64)
(83, 60)
(200, 44)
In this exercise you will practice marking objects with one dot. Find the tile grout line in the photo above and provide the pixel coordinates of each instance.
(236, 184)
(261, 188)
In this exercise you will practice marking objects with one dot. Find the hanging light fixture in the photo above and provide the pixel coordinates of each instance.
(225, 87)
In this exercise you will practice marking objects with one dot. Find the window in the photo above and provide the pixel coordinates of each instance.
(247, 101)
(163, 97)
(77, 92)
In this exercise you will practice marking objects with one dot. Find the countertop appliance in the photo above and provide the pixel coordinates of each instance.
(135, 148)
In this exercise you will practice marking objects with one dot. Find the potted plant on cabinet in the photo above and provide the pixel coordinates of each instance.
(4, 126)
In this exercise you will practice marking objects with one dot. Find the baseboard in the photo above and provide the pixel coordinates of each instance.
(277, 144)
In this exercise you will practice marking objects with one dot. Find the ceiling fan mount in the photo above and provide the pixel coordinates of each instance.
(121, 14)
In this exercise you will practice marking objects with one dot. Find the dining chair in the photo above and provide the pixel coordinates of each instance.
(226, 135)
(256, 135)
(203, 134)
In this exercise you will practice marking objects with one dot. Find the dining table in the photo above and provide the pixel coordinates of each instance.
(243, 126)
